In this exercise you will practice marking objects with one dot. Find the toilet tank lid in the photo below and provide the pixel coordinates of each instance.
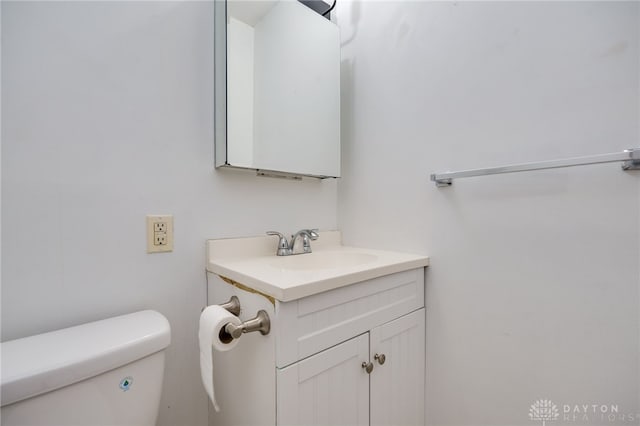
(45, 362)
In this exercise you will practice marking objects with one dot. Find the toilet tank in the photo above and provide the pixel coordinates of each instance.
(106, 372)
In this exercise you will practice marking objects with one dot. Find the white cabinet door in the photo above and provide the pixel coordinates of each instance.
(329, 388)
(397, 385)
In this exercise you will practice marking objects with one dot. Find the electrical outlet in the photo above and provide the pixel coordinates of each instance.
(160, 239)
(159, 233)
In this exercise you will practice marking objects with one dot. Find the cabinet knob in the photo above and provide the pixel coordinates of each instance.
(381, 358)
(368, 367)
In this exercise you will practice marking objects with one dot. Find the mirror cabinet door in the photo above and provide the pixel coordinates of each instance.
(277, 88)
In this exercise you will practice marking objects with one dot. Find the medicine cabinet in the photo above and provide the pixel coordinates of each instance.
(277, 88)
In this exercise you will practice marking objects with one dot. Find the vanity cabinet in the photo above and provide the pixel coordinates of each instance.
(311, 369)
(334, 388)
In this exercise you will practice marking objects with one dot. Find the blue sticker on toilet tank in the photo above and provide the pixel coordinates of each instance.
(125, 384)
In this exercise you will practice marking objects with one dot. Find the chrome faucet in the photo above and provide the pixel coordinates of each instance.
(286, 248)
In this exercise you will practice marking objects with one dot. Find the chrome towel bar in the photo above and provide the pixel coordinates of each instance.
(630, 159)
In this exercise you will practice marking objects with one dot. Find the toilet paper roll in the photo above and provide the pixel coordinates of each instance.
(212, 321)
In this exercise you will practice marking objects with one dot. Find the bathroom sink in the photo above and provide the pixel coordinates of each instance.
(252, 263)
(322, 260)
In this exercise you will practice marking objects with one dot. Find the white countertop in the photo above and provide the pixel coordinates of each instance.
(252, 262)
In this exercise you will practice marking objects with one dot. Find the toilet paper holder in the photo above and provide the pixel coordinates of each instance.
(261, 322)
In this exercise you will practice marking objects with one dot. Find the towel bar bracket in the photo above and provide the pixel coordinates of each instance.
(442, 182)
(634, 160)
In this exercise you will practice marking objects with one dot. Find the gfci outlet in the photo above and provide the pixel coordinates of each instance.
(159, 233)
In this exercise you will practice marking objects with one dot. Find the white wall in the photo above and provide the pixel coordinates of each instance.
(533, 288)
(107, 112)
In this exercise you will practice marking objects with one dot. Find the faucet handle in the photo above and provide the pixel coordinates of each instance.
(307, 236)
(283, 244)
(311, 234)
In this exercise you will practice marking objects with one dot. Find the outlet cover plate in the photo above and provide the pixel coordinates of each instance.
(159, 228)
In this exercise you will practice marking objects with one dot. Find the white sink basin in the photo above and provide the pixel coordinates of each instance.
(253, 263)
(322, 260)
